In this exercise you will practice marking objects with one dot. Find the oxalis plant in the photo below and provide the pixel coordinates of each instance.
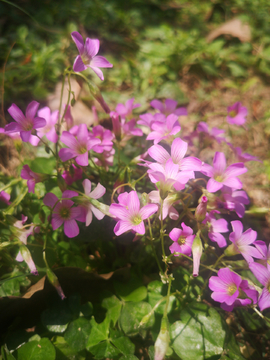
(172, 225)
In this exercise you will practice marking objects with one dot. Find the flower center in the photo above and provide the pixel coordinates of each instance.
(218, 178)
(82, 149)
(232, 113)
(136, 220)
(181, 240)
(28, 125)
(231, 289)
(86, 58)
(65, 213)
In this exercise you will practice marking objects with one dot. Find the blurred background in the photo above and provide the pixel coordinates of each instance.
(206, 54)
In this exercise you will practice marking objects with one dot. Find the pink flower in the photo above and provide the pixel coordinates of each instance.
(87, 57)
(262, 247)
(5, 197)
(244, 157)
(237, 114)
(235, 200)
(241, 242)
(215, 227)
(148, 119)
(25, 124)
(64, 213)
(105, 136)
(51, 120)
(169, 108)
(183, 240)
(187, 165)
(220, 175)
(126, 110)
(227, 288)
(32, 178)
(263, 275)
(87, 206)
(131, 216)
(22, 234)
(165, 130)
(214, 133)
(77, 147)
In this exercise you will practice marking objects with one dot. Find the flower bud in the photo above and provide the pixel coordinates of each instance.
(201, 209)
(26, 255)
(54, 281)
(197, 249)
(116, 126)
(163, 340)
(61, 183)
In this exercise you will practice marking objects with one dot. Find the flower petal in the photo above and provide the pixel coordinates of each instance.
(100, 62)
(16, 113)
(78, 39)
(31, 110)
(98, 72)
(79, 65)
(71, 228)
(148, 210)
(50, 199)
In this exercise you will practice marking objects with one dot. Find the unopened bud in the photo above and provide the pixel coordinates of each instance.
(116, 126)
(61, 183)
(163, 340)
(26, 255)
(201, 209)
(54, 281)
(197, 249)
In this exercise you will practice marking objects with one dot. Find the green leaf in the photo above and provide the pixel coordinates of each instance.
(131, 315)
(43, 165)
(56, 318)
(64, 351)
(99, 332)
(199, 335)
(123, 343)
(36, 350)
(114, 306)
(131, 291)
(77, 333)
(6, 355)
(104, 350)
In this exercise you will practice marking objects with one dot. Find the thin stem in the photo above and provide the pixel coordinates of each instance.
(168, 297)
(153, 247)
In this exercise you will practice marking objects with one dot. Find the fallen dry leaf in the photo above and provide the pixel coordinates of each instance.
(235, 28)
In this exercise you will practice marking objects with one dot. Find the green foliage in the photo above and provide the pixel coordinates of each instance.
(152, 46)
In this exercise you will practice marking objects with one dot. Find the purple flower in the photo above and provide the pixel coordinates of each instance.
(220, 175)
(237, 114)
(22, 234)
(51, 120)
(241, 242)
(105, 136)
(64, 213)
(214, 133)
(230, 290)
(169, 108)
(126, 110)
(262, 247)
(168, 209)
(244, 157)
(25, 124)
(77, 147)
(215, 227)
(131, 216)
(165, 130)
(263, 276)
(32, 178)
(87, 57)
(5, 197)
(235, 200)
(187, 165)
(87, 206)
(183, 240)
(148, 119)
